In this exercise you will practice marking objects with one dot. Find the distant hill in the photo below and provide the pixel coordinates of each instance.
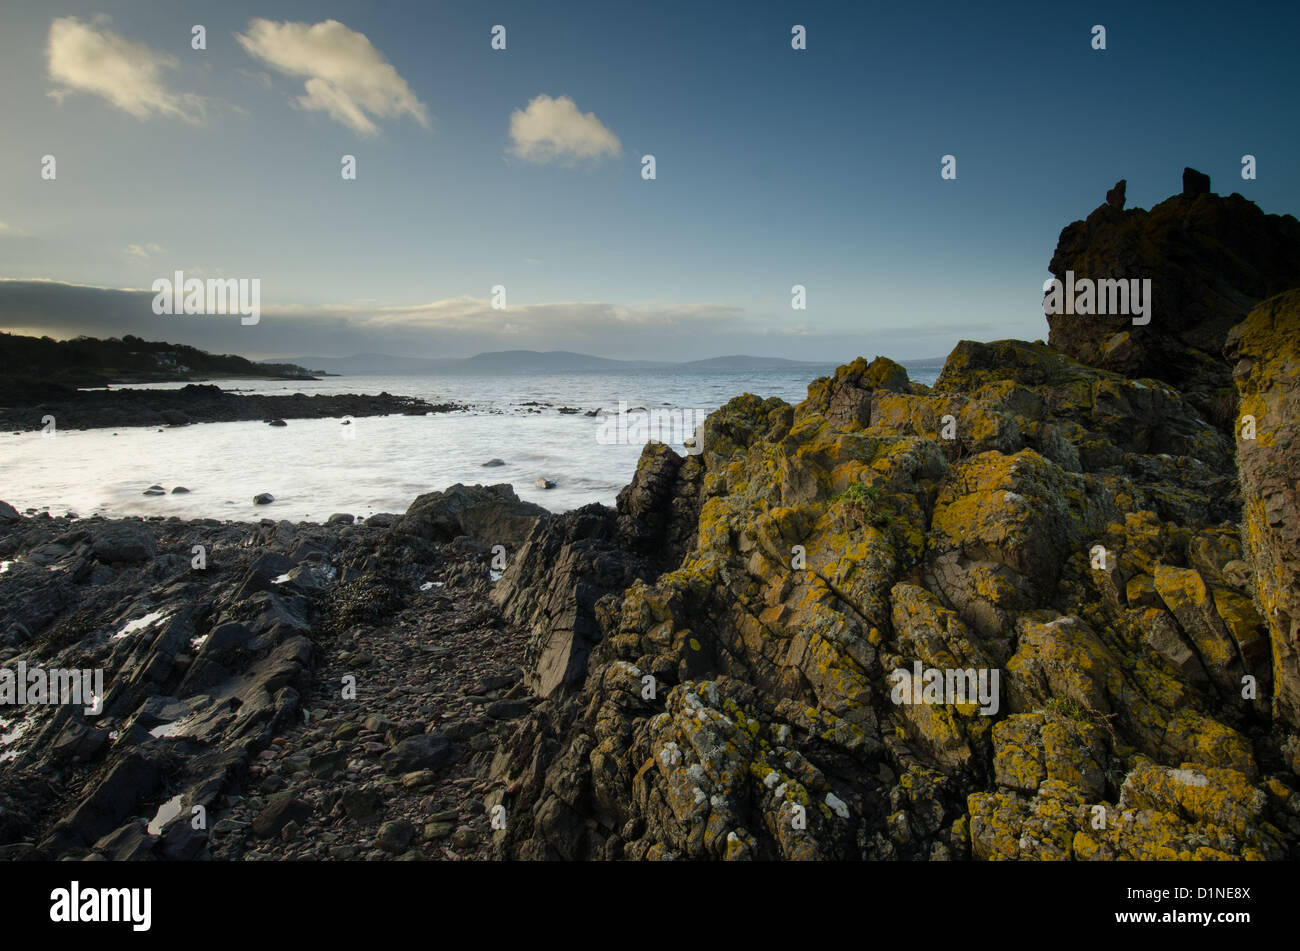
(89, 361)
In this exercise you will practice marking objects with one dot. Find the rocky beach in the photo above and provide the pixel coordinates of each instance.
(709, 669)
(192, 403)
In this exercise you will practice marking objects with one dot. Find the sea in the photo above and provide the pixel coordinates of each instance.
(315, 468)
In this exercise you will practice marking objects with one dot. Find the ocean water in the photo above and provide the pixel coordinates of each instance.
(315, 468)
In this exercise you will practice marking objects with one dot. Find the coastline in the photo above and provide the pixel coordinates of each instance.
(201, 403)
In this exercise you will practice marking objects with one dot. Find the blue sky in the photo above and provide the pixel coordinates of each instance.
(774, 167)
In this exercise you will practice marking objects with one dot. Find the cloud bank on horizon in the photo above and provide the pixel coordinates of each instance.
(453, 328)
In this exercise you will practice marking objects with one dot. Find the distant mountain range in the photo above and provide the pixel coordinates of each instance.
(551, 361)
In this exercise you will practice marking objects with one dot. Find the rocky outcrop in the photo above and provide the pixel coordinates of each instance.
(24, 407)
(1209, 258)
(1065, 528)
(490, 514)
(1265, 349)
(571, 561)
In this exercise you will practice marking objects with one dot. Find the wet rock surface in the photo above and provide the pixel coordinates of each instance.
(313, 691)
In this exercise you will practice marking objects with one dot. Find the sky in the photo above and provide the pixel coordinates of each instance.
(522, 168)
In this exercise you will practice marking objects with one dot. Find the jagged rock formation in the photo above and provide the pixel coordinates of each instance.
(1265, 348)
(1076, 533)
(578, 557)
(1116, 196)
(1210, 259)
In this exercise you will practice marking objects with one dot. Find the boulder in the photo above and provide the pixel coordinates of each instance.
(123, 542)
(425, 751)
(492, 515)
(281, 809)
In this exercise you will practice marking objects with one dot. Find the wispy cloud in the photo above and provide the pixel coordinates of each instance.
(347, 78)
(553, 130)
(9, 231)
(143, 251)
(93, 59)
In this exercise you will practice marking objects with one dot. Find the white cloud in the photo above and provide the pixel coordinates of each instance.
(553, 130)
(81, 58)
(143, 251)
(10, 230)
(347, 78)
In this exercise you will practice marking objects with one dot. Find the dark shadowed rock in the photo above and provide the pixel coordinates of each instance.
(130, 843)
(1209, 258)
(361, 804)
(425, 751)
(491, 514)
(571, 561)
(1195, 183)
(395, 835)
(123, 542)
(553, 584)
(263, 498)
(281, 809)
(1115, 197)
(105, 806)
(508, 709)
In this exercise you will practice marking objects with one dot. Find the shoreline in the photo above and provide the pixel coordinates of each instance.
(84, 410)
(486, 639)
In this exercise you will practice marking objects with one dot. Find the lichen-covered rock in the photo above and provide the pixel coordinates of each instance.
(1266, 351)
(1062, 527)
(1011, 616)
